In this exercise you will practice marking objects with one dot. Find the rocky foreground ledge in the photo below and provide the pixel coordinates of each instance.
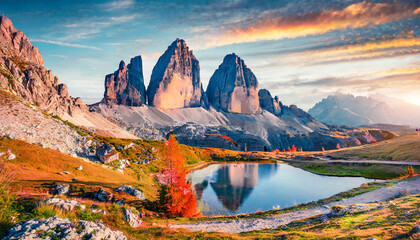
(59, 228)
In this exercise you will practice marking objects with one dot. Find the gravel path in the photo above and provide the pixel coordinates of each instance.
(246, 225)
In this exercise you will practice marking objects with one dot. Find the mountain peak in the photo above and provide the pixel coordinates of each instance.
(233, 87)
(126, 85)
(175, 80)
(17, 43)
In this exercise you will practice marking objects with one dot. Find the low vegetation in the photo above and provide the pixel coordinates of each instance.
(368, 170)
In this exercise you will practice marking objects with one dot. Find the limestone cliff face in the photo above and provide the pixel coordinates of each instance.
(126, 85)
(267, 102)
(22, 72)
(175, 81)
(233, 87)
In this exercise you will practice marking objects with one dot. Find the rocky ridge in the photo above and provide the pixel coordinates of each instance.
(22, 72)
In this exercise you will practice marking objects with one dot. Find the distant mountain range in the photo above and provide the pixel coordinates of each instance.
(349, 110)
(232, 113)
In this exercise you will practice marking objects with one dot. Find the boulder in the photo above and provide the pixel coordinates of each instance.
(103, 195)
(175, 80)
(126, 85)
(61, 189)
(132, 191)
(132, 217)
(233, 87)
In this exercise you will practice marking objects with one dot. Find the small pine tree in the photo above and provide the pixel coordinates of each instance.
(293, 148)
(338, 146)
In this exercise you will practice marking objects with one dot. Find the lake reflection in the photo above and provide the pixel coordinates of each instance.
(234, 188)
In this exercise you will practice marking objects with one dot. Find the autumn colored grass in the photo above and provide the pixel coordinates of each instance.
(403, 148)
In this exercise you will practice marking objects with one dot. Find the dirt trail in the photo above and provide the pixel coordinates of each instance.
(246, 225)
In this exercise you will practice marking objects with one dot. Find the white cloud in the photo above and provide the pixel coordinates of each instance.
(66, 44)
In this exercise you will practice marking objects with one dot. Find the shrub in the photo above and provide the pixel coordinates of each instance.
(45, 211)
(7, 213)
(88, 215)
(410, 171)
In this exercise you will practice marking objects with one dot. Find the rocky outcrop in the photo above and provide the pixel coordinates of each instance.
(66, 205)
(267, 102)
(22, 72)
(233, 87)
(62, 228)
(175, 81)
(126, 85)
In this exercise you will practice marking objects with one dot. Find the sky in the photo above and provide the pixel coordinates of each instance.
(300, 50)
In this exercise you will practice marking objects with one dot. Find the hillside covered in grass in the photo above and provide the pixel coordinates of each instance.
(403, 148)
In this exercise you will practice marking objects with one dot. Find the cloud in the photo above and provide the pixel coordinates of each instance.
(66, 44)
(272, 26)
(400, 81)
(117, 5)
(356, 52)
(91, 26)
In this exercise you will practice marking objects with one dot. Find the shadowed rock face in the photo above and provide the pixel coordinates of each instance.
(233, 87)
(267, 102)
(22, 72)
(175, 81)
(126, 85)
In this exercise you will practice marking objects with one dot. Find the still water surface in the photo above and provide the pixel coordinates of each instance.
(234, 188)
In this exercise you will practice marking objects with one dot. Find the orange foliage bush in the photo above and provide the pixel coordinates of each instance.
(323, 149)
(293, 149)
(338, 146)
(176, 195)
(410, 171)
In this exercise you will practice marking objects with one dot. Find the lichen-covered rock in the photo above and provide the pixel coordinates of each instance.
(132, 191)
(175, 81)
(132, 217)
(59, 228)
(233, 87)
(267, 102)
(126, 85)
